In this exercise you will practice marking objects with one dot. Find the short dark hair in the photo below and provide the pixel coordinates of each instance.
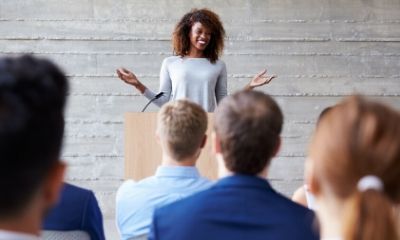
(248, 124)
(181, 39)
(32, 99)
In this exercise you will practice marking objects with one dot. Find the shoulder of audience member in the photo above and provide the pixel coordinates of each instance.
(128, 185)
(76, 192)
(179, 206)
(293, 204)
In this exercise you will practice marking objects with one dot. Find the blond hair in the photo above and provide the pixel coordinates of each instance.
(359, 137)
(182, 125)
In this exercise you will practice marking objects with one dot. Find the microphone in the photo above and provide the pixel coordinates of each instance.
(151, 100)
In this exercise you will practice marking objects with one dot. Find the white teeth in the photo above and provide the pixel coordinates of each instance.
(202, 42)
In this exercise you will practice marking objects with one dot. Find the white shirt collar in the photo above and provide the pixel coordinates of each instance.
(7, 235)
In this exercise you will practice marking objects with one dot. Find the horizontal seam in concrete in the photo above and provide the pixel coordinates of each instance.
(242, 76)
(84, 38)
(80, 135)
(272, 94)
(97, 136)
(96, 155)
(225, 53)
(226, 21)
(237, 39)
(80, 121)
(94, 179)
(247, 39)
(384, 39)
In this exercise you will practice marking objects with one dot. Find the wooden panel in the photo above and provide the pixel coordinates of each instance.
(143, 153)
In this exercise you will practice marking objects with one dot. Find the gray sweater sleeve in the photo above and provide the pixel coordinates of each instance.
(165, 86)
(221, 87)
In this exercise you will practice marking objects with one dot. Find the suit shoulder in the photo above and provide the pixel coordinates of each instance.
(292, 203)
(180, 205)
(75, 191)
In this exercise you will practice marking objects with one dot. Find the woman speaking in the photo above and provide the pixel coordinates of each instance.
(195, 71)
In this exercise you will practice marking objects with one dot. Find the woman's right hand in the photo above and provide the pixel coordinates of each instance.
(130, 78)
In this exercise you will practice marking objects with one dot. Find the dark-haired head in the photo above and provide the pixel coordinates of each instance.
(248, 125)
(210, 20)
(32, 99)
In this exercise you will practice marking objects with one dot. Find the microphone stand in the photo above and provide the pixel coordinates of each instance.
(153, 99)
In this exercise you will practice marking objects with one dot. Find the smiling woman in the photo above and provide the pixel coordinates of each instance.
(199, 37)
(195, 71)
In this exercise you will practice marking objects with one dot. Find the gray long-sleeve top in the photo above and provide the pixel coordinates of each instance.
(196, 79)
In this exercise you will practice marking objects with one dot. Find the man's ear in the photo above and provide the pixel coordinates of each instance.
(203, 141)
(54, 183)
(277, 147)
(216, 143)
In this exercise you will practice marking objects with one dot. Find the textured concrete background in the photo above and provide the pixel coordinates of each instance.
(320, 49)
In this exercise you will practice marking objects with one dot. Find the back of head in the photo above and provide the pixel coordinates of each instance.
(32, 98)
(358, 138)
(182, 125)
(248, 125)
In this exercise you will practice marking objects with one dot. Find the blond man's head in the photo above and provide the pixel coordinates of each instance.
(181, 126)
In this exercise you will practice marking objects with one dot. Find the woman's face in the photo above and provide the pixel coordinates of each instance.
(199, 36)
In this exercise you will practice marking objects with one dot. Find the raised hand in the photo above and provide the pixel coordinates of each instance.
(259, 80)
(130, 78)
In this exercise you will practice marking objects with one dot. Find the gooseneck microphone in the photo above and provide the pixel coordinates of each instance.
(153, 99)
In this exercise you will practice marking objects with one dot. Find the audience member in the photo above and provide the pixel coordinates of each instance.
(77, 210)
(241, 205)
(181, 131)
(353, 170)
(32, 99)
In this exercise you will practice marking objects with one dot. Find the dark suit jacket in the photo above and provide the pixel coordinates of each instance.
(237, 207)
(77, 210)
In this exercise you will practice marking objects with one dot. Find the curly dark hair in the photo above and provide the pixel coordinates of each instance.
(181, 40)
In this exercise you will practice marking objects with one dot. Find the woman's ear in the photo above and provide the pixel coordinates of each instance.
(310, 177)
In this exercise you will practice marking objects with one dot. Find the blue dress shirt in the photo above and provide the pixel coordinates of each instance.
(136, 201)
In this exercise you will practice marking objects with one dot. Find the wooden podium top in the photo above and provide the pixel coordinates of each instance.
(143, 153)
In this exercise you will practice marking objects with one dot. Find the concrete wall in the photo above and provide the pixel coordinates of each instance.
(320, 49)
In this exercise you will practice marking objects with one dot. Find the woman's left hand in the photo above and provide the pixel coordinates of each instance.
(259, 80)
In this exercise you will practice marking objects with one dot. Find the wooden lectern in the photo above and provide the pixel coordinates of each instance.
(143, 153)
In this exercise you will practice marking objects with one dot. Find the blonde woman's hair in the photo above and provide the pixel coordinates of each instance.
(356, 138)
(182, 125)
